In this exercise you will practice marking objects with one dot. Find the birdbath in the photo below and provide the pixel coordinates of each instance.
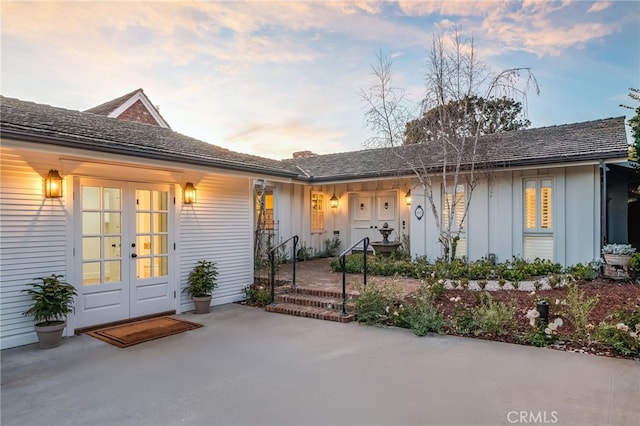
(385, 231)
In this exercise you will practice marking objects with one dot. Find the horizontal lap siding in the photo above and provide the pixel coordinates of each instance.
(33, 241)
(218, 227)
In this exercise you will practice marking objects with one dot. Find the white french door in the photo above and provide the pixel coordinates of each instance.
(369, 212)
(125, 254)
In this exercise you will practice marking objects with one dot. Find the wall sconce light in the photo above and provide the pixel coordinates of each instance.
(53, 185)
(333, 201)
(189, 193)
(407, 197)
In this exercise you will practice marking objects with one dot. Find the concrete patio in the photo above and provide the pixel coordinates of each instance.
(249, 367)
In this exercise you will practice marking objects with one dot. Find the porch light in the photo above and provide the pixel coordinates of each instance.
(189, 193)
(333, 201)
(407, 197)
(53, 185)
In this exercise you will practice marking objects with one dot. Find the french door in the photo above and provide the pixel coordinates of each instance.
(125, 255)
(369, 212)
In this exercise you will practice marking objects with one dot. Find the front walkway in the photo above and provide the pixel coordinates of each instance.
(249, 367)
(318, 274)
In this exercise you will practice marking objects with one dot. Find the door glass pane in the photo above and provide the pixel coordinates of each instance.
(90, 248)
(160, 200)
(112, 247)
(90, 223)
(159, 222)
(90, 273)
(112, 271)
(143, 222)
(143, 245)
(101, 235)
(112, 199)
(143, 268)
(160, 266)
(143, 199)
(90, 198)
(112, 223)
(160, 244)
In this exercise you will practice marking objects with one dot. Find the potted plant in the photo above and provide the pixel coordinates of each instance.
(52, 301)
(201, 283)
(618, 254)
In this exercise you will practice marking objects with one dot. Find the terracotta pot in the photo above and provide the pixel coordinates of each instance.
(50, 336)
(202, 304)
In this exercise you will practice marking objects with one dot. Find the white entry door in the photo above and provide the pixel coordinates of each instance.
(124, 259)
(369, 212)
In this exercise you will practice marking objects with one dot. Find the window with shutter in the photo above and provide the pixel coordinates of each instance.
(538, 219)
(317, 211)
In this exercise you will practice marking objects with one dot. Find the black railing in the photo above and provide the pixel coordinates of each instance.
(272, 262)
(343, 266)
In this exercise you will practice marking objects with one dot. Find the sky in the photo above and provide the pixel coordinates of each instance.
(272, 78)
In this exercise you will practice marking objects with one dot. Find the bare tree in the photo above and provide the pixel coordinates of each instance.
(454, 160)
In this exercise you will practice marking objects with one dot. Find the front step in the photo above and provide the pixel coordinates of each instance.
(313, 303)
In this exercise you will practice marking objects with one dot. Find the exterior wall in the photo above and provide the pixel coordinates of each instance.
(139, 113)
(37, 234)
(494, 224)
(218, 227)
(34, 240)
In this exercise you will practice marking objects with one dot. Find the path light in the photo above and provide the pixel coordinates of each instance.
(53, 185)
(333, 201)
(189, 193)
(543, 308)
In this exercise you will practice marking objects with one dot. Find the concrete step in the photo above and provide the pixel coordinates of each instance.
(309, 312)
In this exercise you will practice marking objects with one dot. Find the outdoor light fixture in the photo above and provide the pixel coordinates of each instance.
(189, 193)
(333, 201)
(407, 197)
(53, 185)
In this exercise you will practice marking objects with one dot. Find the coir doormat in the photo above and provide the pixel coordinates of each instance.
(130, 334)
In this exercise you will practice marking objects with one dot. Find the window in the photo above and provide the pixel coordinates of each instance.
(458, 207)
(538, 218)
(317, 212)
(538, 205)
(264, 208)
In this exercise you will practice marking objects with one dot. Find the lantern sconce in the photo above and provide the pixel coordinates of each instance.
(189, 193)
(407, 197)
(53, 185)
(333, 201)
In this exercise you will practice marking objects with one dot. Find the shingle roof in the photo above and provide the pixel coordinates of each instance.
(591, 140)
(57, 126)
(109, 106)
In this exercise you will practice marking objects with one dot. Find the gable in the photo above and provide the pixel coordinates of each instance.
(134, 106)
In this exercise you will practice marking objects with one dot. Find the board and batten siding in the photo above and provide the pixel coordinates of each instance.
(33, 242)
(218, 227)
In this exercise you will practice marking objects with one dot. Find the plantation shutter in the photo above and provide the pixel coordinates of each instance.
(317, 211)
(545, 204)
(530, 205)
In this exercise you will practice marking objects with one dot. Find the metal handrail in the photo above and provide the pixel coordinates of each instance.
(272, 261)
(343, 265)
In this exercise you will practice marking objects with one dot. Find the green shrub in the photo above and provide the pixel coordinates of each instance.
(578, 307)
(587, 272)
(258, 295)
(492, 317)
(622, 332)
(375, 302)
(423, 318)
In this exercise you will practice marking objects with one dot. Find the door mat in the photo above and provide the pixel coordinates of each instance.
(126, 335)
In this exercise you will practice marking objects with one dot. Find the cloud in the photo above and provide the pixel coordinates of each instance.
(599, 6)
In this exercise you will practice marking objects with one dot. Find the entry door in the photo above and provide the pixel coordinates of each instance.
(123, 257)
(370, 211)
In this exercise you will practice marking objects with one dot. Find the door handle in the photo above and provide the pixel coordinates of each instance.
(134, 255)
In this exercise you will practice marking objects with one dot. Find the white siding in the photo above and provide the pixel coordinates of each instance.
(33, 234)
(218, 227)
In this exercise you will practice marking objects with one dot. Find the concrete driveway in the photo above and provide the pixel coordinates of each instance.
(249, 367)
